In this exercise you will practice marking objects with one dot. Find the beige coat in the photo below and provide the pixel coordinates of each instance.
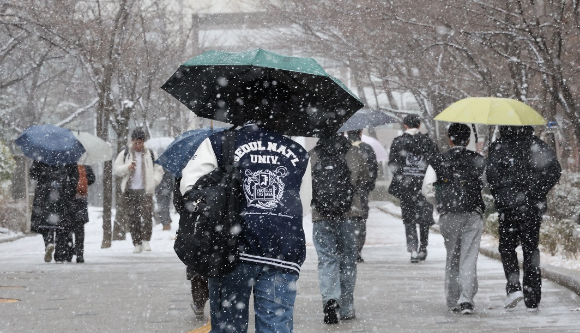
(152, 173)
(358, 174)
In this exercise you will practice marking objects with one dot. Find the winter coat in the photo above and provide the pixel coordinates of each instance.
(275, 183)
(55, 189)
(152, 173)
(521, 170)
(409, 156)
(359, 172)
(472, 167)
(373, 168)
(79, 204)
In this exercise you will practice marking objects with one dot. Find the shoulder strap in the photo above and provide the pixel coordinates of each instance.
(228, 148)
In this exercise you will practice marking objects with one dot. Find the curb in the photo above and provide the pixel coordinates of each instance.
(562, 276)
(11, 239)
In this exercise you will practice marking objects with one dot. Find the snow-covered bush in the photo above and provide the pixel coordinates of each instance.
(563, 200)
(558, 236)
(491, 226)
(12, 215)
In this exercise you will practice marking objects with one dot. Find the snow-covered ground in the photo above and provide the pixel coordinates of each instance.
(162, 241)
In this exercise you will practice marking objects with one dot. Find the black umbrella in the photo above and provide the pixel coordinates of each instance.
(289, 95)
(367, 118)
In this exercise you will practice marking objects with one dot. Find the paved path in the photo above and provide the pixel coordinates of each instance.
(116, 291)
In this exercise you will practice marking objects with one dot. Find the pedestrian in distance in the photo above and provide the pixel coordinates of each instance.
(80, 211)
(275, 176)
(339, 170)
(163, 193)
(140, 177)
(51, 214)
(409, 156)
(364, 188)
(455, 185)
(521, 170)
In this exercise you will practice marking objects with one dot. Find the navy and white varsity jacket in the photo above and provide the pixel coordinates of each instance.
(276, 193)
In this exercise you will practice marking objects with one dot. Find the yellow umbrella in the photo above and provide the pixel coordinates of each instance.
(491, 111)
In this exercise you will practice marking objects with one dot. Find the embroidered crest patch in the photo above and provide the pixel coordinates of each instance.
(264, 188)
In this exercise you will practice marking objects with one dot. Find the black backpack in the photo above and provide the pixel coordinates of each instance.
(332, 191)
(208, 235)
(458, 187)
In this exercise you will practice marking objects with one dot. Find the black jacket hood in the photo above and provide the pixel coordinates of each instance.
(512, 132)
(335, 145)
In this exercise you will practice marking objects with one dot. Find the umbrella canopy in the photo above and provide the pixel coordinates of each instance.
(158, 143)
(50, 145)
(289, 95)
(366, 118)
(97, 150)
(181, 150)
(491, 111)
(377, 147)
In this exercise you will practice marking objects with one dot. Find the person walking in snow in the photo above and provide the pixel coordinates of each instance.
(198, 283)
(163, 193)
(455, 185)
(276, 188)
(338, 171)
(140, 176)
(51, 214)
(409, 156)
(521, 170)
(364, 188)
(80, 210)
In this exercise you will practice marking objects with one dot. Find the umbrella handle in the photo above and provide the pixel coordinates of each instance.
(474, 132)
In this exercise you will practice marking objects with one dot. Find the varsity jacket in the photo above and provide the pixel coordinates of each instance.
(275, 193)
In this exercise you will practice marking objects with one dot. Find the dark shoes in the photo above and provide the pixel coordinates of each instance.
(80, 259)
(360, 260)
(414, 257)
(422, 255)
(466, 308)
(330, 312)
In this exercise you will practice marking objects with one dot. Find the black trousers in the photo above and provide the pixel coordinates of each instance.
(78, 244)
(521, 227)
(61, 239)
(199, 287)
(361, 225)
(417, 211)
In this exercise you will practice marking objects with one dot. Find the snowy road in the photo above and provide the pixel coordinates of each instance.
(117, 291)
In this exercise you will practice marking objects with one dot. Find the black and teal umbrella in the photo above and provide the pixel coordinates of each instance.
(288, 95)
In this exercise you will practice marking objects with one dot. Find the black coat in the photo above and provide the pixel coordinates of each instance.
(459, 180)
(409, 157)
(79, 206)
(521, 170)
(55, 189)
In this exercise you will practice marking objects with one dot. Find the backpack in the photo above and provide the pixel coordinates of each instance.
(332, 191)
(458, 187)
(208, 235)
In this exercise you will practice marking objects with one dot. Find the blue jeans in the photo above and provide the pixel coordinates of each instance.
(336, 245)
(274, 296)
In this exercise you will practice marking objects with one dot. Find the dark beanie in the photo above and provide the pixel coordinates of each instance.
(459, 134)
(412, 121)
(138, 134)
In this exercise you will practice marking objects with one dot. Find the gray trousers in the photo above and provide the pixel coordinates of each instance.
(462, 234)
